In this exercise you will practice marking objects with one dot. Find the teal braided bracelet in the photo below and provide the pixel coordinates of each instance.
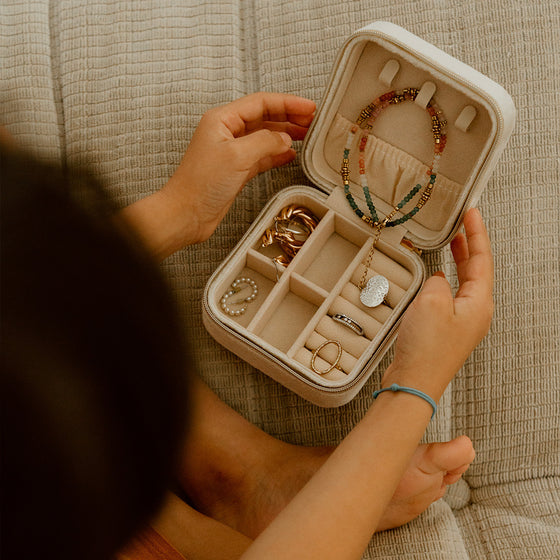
(394, 387)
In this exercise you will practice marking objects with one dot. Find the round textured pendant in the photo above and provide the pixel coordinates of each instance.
(374, 291)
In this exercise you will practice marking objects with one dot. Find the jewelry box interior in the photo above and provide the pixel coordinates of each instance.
(308, 314)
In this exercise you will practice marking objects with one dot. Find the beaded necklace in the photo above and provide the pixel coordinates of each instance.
(372, 294)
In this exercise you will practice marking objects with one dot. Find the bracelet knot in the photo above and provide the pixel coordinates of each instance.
(394, 388)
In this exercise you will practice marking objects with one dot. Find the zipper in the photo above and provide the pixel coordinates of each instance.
(407, 243)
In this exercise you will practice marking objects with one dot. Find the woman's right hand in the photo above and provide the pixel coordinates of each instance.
(439, 331)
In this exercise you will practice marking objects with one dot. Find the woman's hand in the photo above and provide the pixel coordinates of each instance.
(439, 331)
(229, 147)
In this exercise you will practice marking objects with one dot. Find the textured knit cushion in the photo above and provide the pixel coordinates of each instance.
(121, 85)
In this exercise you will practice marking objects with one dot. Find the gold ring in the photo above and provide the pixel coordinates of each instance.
(292, 226)
(316, 353)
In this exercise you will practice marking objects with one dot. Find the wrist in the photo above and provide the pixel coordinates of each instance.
(183, 217)
(421, 379)
(162, 223)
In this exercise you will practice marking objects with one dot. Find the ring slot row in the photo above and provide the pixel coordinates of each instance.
(370, 325)
(344, 299)
(334, 281)
(395, 293)
(328, 353)
(304, 356)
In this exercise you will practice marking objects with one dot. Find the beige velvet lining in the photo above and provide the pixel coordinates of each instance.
(391, 174)
(395, 293)
(292, 314)
(351, 342)
(406, 125)
(351, 293)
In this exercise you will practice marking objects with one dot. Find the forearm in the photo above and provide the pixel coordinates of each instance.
(337, 512)
(162, 221)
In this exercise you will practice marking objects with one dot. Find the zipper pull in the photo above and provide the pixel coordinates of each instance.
(410, 246)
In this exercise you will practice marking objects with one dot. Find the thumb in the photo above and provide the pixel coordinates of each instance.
(437, 284)
(265, 149)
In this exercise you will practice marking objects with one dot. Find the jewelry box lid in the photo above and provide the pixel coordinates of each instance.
(381, 59)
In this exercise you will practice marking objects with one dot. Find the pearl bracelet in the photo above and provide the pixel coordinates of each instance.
(244, 302)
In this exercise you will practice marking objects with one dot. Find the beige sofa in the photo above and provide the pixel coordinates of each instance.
(121, 85)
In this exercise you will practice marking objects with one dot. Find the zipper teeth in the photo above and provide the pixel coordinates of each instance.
(273, 358)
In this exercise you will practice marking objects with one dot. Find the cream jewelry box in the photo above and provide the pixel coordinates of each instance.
(379, 128)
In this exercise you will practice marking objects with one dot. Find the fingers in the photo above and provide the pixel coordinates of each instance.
(264, 149)
(270, 162)
(295, 131)
(251, 111)
(437, 285)
(460, 250)
(475, 265)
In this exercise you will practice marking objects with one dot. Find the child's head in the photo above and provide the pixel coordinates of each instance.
(93, 389)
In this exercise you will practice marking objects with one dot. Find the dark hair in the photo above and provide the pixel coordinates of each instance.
(93, 388)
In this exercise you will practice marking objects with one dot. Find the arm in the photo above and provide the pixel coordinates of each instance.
(334, 516)
(230, 146)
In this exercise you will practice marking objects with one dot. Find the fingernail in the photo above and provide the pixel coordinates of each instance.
(287, 138)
